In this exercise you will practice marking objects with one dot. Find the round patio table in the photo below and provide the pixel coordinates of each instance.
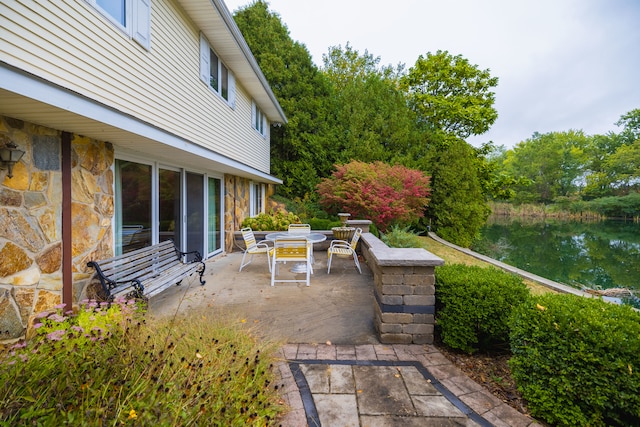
(312, 238)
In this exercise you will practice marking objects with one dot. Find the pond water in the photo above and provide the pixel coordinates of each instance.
(597, 255)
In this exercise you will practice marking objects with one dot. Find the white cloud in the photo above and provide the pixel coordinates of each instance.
(562, 64)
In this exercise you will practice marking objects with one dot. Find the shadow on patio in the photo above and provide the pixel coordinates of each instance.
(337, 307)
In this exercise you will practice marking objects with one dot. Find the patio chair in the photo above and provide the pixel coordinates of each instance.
(302, 229)
(342, 248)
(252, 248)
(294, 249)
(299, 229)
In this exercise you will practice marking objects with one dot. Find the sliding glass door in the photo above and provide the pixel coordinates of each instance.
(155, 203)
(169, 205)
(133, 223)
(195, 212)
(214, 223)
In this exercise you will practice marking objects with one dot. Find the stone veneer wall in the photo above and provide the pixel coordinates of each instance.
(237, 203)
(236, 206)
(404, 291)
(31, 220)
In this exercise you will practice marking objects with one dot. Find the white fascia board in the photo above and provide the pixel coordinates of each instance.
(77, 108)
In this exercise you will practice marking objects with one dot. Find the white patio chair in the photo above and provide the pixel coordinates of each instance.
(342, 248)
(294, 249)
(299, 229)
(252, 248)
(302, 229)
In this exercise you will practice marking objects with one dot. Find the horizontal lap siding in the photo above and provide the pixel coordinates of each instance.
(72, 45)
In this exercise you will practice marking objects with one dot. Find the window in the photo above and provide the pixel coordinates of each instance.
(155, 202)
(133, 206)
(258, 119)
(131, 16)
(215, 74)
(257, 199)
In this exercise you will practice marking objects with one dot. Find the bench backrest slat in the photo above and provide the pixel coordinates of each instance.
(140, 263)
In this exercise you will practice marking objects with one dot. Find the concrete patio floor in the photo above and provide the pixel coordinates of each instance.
(333, 369)
(337, 307)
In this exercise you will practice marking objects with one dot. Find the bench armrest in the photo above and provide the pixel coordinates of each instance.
(108, 284)
(197, 258)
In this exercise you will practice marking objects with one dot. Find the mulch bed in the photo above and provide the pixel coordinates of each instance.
(492, 372)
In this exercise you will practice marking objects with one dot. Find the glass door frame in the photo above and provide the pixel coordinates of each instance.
(155, 201)
(221, 211)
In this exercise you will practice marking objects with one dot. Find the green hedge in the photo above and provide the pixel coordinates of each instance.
(278, 221)
(323, 224)
(401, 237)
(474, 304)
(576, 360)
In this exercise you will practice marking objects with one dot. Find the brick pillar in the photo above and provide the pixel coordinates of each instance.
(404, 291)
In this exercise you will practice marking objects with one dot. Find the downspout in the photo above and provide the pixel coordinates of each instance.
(67, 274)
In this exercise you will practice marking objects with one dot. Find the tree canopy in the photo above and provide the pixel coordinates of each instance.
(573, 166)
(300, 149)
(451, 95)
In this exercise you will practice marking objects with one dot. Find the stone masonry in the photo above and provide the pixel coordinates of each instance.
(404, 291)
(31, 219)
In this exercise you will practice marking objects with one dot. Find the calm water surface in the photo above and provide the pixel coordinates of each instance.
(598, 255)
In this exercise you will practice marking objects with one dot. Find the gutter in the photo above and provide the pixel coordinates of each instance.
(244, 48)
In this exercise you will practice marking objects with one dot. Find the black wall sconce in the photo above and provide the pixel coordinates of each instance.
(10, 155)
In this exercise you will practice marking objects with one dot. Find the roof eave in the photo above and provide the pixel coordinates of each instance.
(231, 46)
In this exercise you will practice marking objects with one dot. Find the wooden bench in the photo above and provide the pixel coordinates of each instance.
(145, 272)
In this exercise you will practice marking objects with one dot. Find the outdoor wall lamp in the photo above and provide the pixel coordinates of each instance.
(10, 155)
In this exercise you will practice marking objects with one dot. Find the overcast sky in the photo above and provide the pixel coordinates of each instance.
(562, 64)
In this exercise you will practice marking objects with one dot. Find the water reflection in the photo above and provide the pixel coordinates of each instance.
(597, 255)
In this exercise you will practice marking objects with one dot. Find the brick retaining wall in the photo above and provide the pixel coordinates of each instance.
(404, 290)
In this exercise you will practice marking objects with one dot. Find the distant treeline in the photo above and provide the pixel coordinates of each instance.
(574, 172)
(613, 207)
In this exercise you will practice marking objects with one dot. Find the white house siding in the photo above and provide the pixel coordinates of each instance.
(72, 45)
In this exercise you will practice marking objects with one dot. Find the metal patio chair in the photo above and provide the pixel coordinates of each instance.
(252, 248)
(344, 249)
(294, 249)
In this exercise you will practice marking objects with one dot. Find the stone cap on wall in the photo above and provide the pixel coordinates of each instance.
(385, 256)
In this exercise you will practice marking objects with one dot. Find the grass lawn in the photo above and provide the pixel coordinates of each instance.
(453, 256)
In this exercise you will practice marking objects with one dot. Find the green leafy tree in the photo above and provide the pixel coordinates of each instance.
(624, 168)
(386, 195)
(497, 184)
(598, 177)
(300, 150)
(457, 209)
(373, 119)
(631, 126)
(451, 95)
(554, 163)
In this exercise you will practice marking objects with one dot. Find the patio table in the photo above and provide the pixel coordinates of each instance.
(312, 238)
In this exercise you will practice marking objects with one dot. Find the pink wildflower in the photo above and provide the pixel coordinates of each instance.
(56, 335)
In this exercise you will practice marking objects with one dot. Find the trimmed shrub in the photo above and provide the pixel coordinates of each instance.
(576, 360)
(278, 221)
(473, 305)
(323, 224)
(398, 237)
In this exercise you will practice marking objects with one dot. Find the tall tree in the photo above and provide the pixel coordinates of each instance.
(373, 121)
(624, 168)
(299, 150)
(554, 163)
(631, 126)
(457, 207)
(451, 95)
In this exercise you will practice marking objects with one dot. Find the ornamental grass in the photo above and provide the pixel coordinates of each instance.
(105, 365)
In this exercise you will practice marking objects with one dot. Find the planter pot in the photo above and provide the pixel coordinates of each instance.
(343, 233)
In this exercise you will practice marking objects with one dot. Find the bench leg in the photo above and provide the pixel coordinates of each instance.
(201, 272)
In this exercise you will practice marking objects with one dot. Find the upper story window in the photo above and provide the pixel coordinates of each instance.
(258, 119)
(131, 16)
(215, 74)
